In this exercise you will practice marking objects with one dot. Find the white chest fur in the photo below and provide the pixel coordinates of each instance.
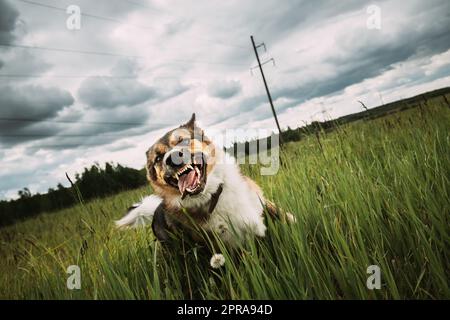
(239, 210)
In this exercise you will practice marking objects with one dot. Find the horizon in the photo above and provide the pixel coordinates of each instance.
(106, 91)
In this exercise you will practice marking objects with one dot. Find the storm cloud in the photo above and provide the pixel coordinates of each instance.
(224, 89)
(8, 20)
(102, 92)
(25, 110)
(32, 101)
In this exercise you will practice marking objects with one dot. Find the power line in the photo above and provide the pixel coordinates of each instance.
(7, 119)
(9, 76)
(113, 20)
(89, 15)
(64, 76)
(22, 46)
(58, 146)
(98, 135)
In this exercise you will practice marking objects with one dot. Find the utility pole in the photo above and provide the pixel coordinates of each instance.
(255, 47)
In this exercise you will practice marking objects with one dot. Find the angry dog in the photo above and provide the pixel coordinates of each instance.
(199, 186)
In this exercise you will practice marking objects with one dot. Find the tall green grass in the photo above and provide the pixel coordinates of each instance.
(377, 192)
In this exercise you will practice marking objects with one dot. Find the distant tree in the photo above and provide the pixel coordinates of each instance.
(24, 193)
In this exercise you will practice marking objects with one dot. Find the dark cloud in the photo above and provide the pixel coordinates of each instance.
(96, 138)
(124, 90)
(110, 93)
(8, 20)
(12, 134)
(224, 89)
(98, 128)
(111, 98)
(34, 103)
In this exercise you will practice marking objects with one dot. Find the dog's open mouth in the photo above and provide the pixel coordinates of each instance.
(191, 178)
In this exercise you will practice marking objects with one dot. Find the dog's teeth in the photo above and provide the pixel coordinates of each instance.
(186, 167)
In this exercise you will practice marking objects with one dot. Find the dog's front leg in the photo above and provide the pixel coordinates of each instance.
(159, 224)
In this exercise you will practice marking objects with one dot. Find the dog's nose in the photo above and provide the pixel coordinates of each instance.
(178, 158)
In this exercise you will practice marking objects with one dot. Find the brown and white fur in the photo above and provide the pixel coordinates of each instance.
(223, 201)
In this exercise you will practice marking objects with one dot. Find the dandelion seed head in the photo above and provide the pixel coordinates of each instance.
(217, 260)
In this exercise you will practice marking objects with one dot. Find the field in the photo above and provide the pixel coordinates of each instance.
(371, 193)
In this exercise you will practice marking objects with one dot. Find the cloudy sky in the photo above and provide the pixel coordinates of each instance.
(69, 98)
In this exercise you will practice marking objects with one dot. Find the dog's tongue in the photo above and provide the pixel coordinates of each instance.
(187, 181)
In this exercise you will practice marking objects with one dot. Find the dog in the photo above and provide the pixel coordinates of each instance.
(195, 185)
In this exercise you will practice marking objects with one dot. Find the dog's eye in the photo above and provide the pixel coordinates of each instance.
(158, 158)
(183, 141)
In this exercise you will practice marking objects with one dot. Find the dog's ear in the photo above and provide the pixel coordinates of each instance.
(191, 123)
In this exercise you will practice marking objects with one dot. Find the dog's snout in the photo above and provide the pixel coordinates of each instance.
(178, 158)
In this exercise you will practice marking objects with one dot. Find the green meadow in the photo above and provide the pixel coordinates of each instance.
(372, 192)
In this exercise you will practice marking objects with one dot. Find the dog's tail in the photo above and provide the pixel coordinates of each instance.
(140, 214)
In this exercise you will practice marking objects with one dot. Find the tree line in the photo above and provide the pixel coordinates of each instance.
(93, 182)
